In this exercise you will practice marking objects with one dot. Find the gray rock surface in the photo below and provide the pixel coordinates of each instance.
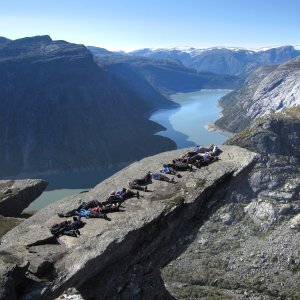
(121, 259)
(16, 195)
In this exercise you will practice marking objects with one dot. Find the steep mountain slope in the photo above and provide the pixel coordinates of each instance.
(59, 111)
(267, 90)
(234, 61)
(248, 244)
(164, 76)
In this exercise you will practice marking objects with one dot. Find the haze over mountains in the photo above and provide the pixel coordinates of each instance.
(233, 61)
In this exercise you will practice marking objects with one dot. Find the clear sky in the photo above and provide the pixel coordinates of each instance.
(133, 24)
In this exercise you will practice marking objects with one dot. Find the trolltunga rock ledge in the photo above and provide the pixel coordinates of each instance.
(117, 257)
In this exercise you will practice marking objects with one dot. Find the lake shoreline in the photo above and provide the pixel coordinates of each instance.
(213, 127)
(192, 122)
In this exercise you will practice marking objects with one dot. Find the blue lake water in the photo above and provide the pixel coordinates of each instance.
(185, 125)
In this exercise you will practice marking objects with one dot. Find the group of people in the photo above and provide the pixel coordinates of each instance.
(198, 157)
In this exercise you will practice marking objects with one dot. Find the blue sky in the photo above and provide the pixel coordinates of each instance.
(133, 24)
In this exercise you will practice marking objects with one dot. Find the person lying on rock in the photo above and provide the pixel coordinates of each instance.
(169, 169)
(180, 165)
(206, 159)
(140, 183)
(67, 227)
(161, 177)
(120, 195)
(83, 209)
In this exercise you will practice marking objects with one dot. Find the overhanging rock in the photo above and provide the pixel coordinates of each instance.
(16, 195)
(114, 257)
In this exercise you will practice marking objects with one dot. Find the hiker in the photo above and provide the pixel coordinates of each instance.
(216, 151)
(170, 169)
(179, 165)
(84, 205)
(206, 159)
(141, 183)
(84, 209)
(120, 195)
(100, 212)
(67, 227)
(161, 177)
(201, 149)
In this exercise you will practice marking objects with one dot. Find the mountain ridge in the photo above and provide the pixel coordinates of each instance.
(55, 110)
(220, 60)
(267, 90)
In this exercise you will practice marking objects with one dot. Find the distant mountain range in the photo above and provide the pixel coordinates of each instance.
(164, 76)
(269, 89)
(62, 108)
(233, 61)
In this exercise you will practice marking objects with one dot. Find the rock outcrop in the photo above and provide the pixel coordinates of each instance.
(269, 89)
(16, 195)
(120, 259)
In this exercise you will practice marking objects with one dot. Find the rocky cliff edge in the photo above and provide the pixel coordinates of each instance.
(115, 257)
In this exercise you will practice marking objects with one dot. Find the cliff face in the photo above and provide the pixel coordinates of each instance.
(120, 258)
(60, 111)
(268, 90)
(248, 245)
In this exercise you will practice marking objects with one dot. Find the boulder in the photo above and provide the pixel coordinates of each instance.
(295, 222)
(16, 195)
(121, 258)
(262, 211)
